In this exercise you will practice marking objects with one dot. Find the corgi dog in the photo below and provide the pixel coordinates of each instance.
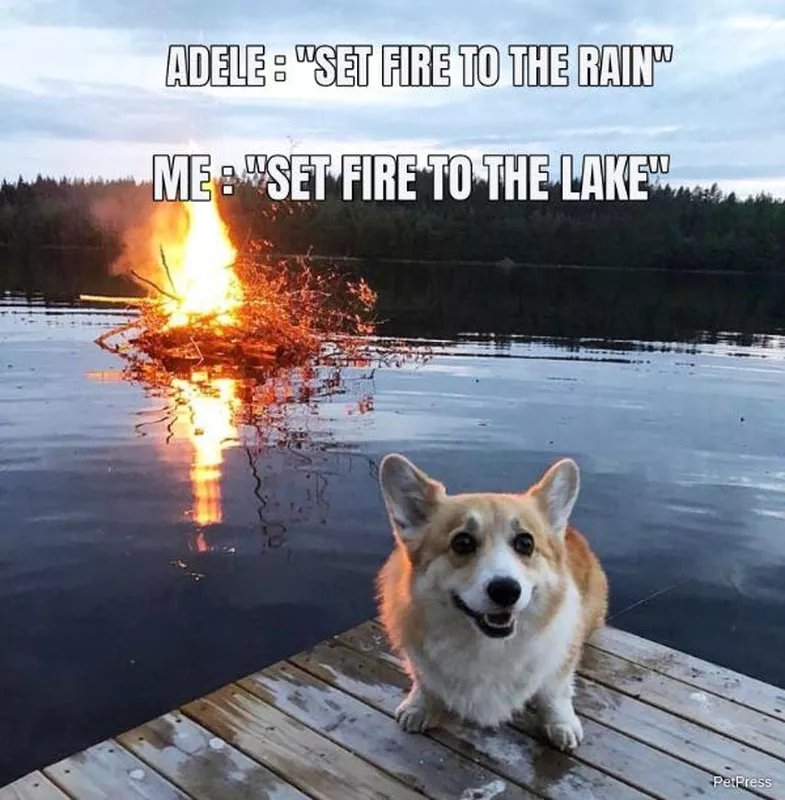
(488, 598)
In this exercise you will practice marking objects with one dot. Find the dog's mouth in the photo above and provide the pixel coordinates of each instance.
(498, 626)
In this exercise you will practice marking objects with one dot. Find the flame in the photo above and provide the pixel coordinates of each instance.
(211, 404)
(202, 271)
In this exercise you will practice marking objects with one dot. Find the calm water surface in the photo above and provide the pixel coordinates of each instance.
(151, 551)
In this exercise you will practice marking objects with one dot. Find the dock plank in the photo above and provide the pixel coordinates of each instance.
(107, 770)
(320, 725)
(709, 750)
(423, 764)
(626, 759)
(310, 761)
(701, 674)
(35, 786)
(749, 727)
(509, 752)
(202, 764)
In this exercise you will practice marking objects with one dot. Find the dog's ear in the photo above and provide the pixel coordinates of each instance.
(411, 497)
(556, 493)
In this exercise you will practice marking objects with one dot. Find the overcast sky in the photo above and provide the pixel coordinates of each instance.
(82, 85)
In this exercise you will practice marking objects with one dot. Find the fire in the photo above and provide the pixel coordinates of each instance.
(211, 404)
(202, 271)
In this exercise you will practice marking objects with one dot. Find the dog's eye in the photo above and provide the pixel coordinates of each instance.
(463, 544)
(523, 543)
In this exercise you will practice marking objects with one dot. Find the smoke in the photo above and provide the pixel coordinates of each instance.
(144, 228)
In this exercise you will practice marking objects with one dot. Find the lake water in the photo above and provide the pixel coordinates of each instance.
(151, 552)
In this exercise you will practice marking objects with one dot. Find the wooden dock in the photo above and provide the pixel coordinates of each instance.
(658, 723)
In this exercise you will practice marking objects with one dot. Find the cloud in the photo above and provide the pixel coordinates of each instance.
(82, 83)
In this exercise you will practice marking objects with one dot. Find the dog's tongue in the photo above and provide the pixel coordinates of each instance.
(501, 619)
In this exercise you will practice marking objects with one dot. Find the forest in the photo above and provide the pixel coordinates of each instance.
(699, 229)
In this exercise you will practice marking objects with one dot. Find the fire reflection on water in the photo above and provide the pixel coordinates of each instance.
(283, 423)
(217, 413)
(210, 406)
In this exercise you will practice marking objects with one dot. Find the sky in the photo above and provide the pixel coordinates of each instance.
(82, 85)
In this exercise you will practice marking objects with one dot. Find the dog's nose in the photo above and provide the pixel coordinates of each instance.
(504, 591)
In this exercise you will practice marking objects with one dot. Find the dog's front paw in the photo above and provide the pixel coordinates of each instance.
(564, 733)
(416, 714)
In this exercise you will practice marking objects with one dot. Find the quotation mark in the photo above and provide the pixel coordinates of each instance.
(305, 53)
(663, 52)
(659, 163)
(255, 165)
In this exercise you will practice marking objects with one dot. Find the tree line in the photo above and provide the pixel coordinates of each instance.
(676, 229)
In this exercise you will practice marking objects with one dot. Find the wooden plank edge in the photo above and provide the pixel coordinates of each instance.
(33, 786)
(419, 784)
(236, 687)
(746, 726)
(692, 670)
(216, 743)
(114, 744)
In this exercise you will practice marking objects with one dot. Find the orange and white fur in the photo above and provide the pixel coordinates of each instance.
(488, 598)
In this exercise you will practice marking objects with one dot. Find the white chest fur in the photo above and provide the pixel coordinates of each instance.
(485, 680)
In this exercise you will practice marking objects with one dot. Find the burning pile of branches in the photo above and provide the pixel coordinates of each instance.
(290, 312)
(241, 316)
